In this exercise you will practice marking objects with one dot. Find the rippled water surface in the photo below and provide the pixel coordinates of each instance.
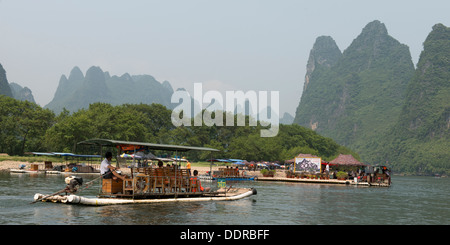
(410, 200)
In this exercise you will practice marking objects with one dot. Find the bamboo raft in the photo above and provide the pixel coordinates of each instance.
(220, 195)
(150, 185)
(146, 184)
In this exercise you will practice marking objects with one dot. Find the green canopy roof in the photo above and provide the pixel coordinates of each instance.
(151, 146)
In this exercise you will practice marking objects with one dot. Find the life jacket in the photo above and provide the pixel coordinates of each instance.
(196, 183)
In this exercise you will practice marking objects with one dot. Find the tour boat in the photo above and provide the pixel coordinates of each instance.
(146, 184)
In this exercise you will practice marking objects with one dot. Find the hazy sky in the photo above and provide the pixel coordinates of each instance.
(260, 45)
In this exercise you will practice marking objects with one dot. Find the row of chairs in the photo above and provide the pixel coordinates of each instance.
(229, 172)
(161, 180)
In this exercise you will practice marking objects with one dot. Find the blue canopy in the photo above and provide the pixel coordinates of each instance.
(235, 160)
(62, 154)
(223, 160)
(43, 153)
(239, 163)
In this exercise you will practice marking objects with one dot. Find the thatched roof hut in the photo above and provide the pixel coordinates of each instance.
(347, 160)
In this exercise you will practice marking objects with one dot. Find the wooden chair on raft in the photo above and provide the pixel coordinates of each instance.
(158, 180)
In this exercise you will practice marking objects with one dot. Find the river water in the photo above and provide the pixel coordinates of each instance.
(410, 200)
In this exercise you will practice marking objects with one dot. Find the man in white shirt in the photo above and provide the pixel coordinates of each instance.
(106, 169)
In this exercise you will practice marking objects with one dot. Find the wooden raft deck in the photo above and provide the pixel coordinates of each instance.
(322, 181)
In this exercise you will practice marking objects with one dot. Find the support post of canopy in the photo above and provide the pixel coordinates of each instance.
(210, 170)
(118, 155)
(134, 157)
(176, 168)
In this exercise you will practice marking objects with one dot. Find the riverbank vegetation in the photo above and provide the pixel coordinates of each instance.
(26, 127)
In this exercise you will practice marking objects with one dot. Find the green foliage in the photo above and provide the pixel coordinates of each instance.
(373, 101)
(419, 142)
(341, 175)
(267, 172)
(355, 100)
(27, 127)
(22, 125)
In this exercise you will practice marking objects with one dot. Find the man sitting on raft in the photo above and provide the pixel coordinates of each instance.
(107, 170)
(196, 182)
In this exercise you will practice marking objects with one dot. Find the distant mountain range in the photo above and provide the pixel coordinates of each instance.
(79, 90)
(370, 97)
(14, 90)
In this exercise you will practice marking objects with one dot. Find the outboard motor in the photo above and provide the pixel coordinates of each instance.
(73, 183)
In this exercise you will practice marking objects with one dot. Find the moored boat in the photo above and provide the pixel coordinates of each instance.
(75, 163)
(146, 184)
(34, 169)
(232, 174)
(22, 171)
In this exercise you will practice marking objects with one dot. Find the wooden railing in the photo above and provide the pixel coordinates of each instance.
(160, 181)
(228, 172)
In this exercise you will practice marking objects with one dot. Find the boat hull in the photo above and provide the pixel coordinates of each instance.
(23, 171)
(234, 194)
(235, 178)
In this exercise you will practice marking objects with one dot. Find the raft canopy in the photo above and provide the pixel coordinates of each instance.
(151, 146)
(64, 154)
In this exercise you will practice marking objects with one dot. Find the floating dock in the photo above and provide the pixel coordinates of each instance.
(323, 181)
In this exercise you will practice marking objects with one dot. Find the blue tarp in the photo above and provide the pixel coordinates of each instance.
(235, 160)
(62, 154)
(239, 163)
(43, 153)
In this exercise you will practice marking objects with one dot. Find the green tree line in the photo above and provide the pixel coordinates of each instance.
(26, 127)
